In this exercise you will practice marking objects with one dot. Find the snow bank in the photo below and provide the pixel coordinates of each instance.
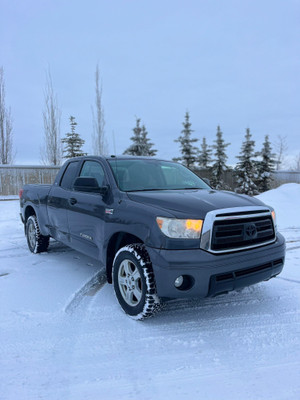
(286, 202)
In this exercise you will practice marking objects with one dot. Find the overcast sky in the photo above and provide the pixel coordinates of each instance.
(232, 63)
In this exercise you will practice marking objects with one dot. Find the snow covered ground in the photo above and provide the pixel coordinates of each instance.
(63, 335)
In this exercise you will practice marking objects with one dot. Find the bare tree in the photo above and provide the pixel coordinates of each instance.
(296, 165)
(280, 147)
(51, 151)
(6, 137)
(99, 142)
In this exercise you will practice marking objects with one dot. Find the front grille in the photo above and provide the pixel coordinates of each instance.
(238, 232)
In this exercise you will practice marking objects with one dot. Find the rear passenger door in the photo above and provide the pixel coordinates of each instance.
(86, 214)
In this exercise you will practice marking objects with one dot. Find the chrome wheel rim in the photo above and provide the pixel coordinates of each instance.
(31, 235)
(130, 283)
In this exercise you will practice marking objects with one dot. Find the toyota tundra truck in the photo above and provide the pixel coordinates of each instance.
(159, 230)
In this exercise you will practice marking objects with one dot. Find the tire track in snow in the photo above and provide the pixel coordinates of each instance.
(88, 289)
(287, 279)
(14, 255)
(292, 248)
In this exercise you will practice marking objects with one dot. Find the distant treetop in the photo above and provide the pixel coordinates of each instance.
(73, 142)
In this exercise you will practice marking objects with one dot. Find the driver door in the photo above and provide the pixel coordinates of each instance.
(86, 214)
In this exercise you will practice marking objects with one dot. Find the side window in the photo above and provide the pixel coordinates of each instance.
(69, 175)
(93, 169)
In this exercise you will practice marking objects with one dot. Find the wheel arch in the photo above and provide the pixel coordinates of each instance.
(116, 242)
(40, 213)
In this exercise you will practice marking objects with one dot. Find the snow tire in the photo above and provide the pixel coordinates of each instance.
(134, 282)
(37, 242)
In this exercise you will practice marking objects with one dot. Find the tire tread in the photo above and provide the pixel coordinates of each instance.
(152, 302)
(42, 242)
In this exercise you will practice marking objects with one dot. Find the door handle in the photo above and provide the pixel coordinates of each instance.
(72, 201)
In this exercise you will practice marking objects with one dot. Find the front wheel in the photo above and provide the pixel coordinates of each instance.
(134, 282)
(37, 242)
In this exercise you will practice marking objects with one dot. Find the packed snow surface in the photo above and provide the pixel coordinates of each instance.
(63, 335)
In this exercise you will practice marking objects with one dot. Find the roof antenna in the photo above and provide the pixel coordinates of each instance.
(114, 142)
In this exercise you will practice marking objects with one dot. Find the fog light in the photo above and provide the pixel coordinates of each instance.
(178, 281)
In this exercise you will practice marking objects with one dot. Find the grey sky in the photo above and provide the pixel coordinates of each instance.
(233, 63)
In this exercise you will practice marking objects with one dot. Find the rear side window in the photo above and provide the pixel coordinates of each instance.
(93, 169)
(69, 175)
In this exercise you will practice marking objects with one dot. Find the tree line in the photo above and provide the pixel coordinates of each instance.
(252, 172)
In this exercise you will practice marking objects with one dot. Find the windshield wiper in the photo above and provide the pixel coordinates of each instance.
(154, 189)
(188, 188)
(144, 190)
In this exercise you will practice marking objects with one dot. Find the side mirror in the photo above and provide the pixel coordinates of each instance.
(103, 190)
(89, 184)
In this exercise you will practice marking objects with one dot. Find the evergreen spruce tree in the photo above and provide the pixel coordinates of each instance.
(245, 170)
(219, 162)
(73, 142)
(265, 166)
(147, 149)
(188, 151)
(204, 158)
(141, 145)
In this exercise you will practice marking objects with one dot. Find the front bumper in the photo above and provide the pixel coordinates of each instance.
(213, 274)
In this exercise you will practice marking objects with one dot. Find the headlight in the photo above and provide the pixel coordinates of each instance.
(180, 228)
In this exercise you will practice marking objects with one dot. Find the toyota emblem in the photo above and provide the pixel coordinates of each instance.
(251, 231)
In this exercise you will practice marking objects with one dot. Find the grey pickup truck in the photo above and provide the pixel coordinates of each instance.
(159, 230)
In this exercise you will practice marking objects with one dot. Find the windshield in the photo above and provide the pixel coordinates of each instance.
(135, 175)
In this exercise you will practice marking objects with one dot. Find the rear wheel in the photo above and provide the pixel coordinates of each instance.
(37, 242)
(134, 282)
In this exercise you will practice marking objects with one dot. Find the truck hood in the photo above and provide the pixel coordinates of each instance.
(196, 202)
